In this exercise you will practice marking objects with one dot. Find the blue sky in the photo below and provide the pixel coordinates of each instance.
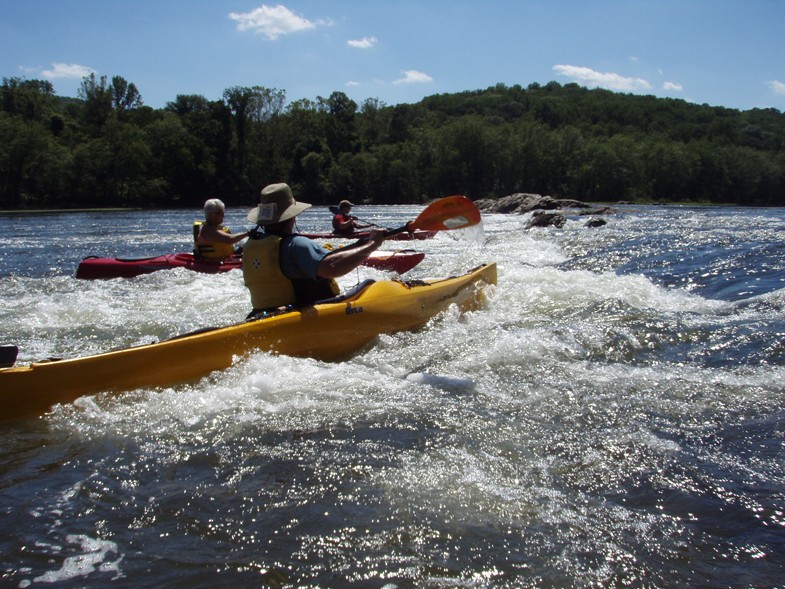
(721, 52)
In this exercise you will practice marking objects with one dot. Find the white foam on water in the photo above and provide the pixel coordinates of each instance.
(86, 556)
(534, 422)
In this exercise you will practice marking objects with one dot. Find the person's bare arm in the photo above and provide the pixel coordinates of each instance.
(343, 261)
(209, 234)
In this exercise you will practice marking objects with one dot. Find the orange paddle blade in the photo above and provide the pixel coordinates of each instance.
(450, 212)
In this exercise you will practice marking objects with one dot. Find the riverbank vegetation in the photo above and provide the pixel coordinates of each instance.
(105, 148)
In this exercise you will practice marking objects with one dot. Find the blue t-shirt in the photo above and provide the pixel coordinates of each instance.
(300, 257)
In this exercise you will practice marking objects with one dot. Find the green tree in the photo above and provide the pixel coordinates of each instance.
(124, 95)
(341, 132)
(314, 166)
(671, 170)
(250, 107)
(33, 166)
(97, 97)
(209, 129)
(33, 100)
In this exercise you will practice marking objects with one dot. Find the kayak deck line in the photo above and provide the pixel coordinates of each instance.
(330, 330)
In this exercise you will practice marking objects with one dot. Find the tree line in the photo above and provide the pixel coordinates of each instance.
(105, 148)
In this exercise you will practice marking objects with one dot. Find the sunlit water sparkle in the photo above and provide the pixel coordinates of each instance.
(612, 417)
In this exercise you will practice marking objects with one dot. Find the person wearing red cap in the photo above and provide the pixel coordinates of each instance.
(343, 222)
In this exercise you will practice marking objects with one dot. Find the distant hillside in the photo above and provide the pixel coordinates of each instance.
(106, 148)
(600, 112)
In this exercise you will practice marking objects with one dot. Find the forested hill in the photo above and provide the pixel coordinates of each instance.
(106, 149)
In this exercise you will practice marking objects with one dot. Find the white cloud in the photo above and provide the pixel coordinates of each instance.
(608, 80)
(67, 70)
(777, 86)
(364, 43)
(413, 77)
(676, 87)
(352, 83)
(273, 21)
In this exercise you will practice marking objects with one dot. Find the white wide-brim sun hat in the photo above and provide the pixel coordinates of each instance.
(277, 204)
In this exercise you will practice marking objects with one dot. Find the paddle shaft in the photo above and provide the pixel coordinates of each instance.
(444, 214)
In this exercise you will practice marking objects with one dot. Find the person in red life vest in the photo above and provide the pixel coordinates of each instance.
(282, 268)
(212, 239)
(344, 222)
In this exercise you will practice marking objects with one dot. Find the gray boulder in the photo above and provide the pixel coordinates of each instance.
(526, 202)
(596, 223)
(546, 219)
(522, 203)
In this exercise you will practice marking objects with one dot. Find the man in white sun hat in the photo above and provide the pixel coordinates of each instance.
(282, 268)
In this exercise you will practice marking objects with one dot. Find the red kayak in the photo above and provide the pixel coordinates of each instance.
(402, 236)
(94, 267)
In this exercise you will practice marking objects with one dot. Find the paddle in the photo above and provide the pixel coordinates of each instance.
(444, 214)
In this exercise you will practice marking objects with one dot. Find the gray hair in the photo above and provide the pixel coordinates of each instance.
(213, 204)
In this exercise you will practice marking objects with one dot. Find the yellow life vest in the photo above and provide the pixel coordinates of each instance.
(212, 250)
(269, 286)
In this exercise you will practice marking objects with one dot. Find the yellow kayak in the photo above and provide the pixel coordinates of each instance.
(325, 331)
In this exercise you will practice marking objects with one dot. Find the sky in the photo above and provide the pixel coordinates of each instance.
(727, 53)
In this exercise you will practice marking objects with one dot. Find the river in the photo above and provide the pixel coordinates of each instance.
(613, 417)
